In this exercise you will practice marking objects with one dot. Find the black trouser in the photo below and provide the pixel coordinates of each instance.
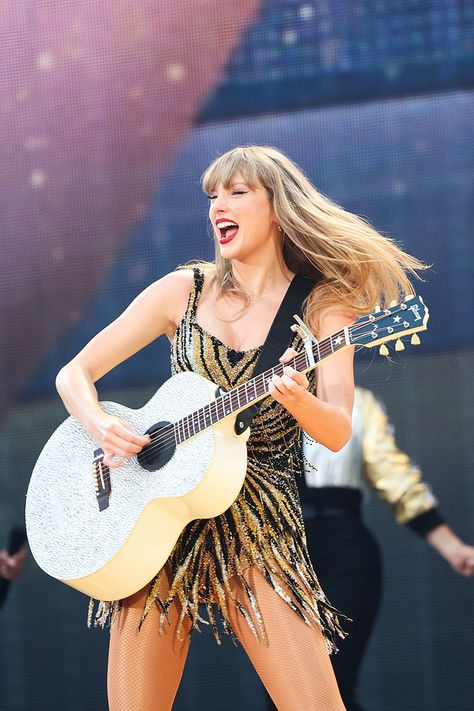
(347, 561)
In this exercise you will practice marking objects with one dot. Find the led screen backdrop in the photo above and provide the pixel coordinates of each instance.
(110, 111)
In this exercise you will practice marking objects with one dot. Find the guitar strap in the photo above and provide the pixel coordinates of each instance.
(276, 342)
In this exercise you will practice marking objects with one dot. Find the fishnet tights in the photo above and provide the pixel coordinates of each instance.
(145, 668)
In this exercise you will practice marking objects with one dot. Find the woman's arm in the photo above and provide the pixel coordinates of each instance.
(327, 416)
(154, 312)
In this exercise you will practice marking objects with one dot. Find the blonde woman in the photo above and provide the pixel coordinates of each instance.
(249, 566)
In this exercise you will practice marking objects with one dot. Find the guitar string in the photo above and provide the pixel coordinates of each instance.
(324, 348)
(169, 435)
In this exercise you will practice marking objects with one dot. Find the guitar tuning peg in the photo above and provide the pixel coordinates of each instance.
(383, 350)
(415, 340)
(399, 346)
(392, 303)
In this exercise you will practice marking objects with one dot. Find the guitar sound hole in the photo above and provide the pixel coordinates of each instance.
(161, 448)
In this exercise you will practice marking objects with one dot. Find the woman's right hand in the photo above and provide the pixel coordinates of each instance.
(117, 438)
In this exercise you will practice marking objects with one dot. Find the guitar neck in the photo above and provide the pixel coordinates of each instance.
(257, 388)
(396, 320)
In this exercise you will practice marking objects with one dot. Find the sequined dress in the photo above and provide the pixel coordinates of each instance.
(264, 525)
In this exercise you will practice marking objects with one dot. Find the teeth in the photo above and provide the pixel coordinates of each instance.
(225, 225)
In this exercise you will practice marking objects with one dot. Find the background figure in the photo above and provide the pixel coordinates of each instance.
(11, 560)
(344, 552)
(11, 565)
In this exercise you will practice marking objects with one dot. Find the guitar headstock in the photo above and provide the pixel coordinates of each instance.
(397, 320)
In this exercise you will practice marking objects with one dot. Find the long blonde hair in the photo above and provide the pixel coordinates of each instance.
(359, 266)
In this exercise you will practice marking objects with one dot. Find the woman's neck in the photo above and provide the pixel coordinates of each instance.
(259, 280)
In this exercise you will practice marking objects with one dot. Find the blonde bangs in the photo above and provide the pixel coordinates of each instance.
(224, 169)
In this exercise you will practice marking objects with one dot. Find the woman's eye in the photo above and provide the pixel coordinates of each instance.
(234, 192)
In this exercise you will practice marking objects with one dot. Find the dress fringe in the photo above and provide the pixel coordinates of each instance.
(208, 556)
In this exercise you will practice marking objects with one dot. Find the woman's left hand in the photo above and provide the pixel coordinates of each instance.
(291, 386)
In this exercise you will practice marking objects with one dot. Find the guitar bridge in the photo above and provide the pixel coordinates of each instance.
(102, 484)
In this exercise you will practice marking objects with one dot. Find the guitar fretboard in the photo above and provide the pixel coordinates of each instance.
(255, 389)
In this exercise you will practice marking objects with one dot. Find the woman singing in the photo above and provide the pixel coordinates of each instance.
(248, 566)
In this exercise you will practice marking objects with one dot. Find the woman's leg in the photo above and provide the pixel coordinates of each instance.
(294, 665)
(145, 668)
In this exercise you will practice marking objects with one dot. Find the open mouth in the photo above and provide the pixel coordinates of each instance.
(228, 230)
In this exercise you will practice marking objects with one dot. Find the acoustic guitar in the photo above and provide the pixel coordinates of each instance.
(108, 536)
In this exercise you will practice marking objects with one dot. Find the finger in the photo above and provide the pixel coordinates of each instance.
(288, 384)
(110, 461)
(115, 457)
(277, 384)
(288, 355)
(284, 386)
(292, 380)
(113, 433)
(120, 446)
(295, 375)
(125, 430)
(276, 394)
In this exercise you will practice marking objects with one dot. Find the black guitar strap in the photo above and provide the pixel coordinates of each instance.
(277, 340)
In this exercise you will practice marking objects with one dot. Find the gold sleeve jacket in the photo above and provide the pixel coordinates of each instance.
(372, 457)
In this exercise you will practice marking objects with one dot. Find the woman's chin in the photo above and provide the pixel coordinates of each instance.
(229, 250)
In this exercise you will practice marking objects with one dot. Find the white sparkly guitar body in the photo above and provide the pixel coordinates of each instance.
(108, 533)
(113, 552)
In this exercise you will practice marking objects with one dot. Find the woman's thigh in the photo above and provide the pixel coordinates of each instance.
(294, 663)
(145, 667)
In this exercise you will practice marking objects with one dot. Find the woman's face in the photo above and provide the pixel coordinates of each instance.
(243, 219)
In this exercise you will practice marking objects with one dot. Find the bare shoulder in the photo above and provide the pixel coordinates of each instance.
(172, 292)
(178, 282)
(332, 318)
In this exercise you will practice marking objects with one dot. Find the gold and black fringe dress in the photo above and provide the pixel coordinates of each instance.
(264, 525)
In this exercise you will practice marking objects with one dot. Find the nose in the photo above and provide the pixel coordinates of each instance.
(219, 204)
